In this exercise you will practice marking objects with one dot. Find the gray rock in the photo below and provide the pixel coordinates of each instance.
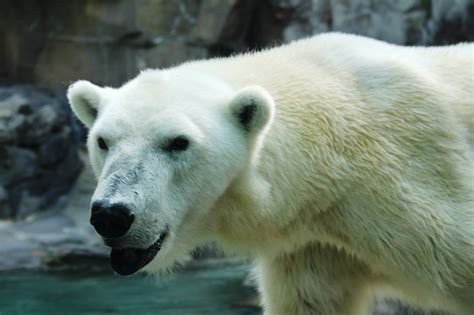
(213, 17)
(17, 165)
(52, 150)
(116, 39)
(38, 151)
(450, 22)
(22, 39)
(406, 22)
(170, 52)
(109, 34)
(4, 199)
(51, 240)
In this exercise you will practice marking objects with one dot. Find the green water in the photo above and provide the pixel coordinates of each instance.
(193, 291)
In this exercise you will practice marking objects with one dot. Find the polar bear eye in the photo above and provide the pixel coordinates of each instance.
(102, 144)
(178, 144)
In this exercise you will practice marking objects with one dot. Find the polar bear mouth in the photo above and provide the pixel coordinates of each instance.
(127, 261)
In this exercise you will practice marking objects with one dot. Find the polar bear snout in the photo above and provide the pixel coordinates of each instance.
(111, 220)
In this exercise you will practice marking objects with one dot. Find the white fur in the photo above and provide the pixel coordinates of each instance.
(356, 174)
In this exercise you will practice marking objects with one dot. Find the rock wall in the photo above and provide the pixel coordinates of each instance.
(51, 42)
(39, 159)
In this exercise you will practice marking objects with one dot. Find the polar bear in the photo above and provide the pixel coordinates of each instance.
(344, 166)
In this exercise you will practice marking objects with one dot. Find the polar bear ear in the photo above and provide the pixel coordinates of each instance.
(252, 107)
(85, 99)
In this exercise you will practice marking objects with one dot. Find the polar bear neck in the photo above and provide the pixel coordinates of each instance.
(260, 203)
(335, 136)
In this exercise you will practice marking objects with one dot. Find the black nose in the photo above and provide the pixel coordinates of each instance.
(111, 220)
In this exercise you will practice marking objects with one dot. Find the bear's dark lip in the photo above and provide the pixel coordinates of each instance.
(127, 261)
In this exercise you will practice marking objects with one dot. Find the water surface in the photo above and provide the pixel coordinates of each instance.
(199, 290)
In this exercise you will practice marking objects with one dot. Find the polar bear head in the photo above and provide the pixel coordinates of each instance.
(165, 147)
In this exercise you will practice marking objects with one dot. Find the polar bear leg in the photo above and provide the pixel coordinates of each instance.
(315, 280)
